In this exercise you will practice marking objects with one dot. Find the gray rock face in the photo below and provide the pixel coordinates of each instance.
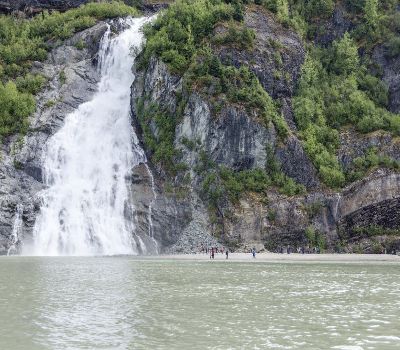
(171, 215)
(232, 139)
(158, 215)
(296, 164)
(20, 167)
(334, 28)
(38, 5)
(283, 221)
(353, 145)
(390, 66)
(277, 55)
(276, 60)
(236, 140)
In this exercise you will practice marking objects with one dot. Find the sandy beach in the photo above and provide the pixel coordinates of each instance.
(274, 257)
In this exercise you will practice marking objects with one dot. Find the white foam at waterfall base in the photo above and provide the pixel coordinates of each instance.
(85, 208)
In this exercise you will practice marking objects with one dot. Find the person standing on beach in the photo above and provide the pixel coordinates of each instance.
(227, 253)
(254, 252)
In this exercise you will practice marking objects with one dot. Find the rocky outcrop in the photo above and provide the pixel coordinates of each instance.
(374, 201)
(390, 69)
(33, 6)
(353, 145)
(334, 27)
(275, 58)
(72, 79)
(159, 216)
(233, 138)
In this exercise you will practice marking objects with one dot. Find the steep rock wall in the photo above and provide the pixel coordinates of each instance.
(32, 6)
(234, 139)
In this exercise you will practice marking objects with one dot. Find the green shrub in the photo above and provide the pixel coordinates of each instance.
(80, 44)
(310, 235)
(271, 215)
(62, 77)
(335, 90)
(375, 230)
(393, 46)
(319, 8)
(15, 107)
(287, 185)
(180, 30)
(315, 238)
(238, 36)
(345, 58)
(160, 144)
(375, 89)
(369, 161)
(313, 209)
(371, 15)
(30, 83)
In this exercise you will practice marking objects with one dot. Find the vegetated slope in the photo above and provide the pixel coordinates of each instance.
(23, 41)
(271, 108)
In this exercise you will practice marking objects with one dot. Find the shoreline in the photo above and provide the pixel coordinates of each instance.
(241, 257)
(283, 258)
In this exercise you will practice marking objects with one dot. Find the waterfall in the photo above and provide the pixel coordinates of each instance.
(17, 227)
(151, 230)
(85, 208)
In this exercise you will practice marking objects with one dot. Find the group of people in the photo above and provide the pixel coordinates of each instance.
(299, 250)
(214, 250)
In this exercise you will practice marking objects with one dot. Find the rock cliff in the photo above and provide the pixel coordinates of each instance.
(361, 217)
(234, 139)
(32, 6)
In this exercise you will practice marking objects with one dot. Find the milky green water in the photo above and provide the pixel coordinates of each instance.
(127, 303)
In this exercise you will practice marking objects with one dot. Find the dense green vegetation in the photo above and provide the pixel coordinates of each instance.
(369, 161)
(240, 86)
(335, 90)
(221, 183)
(23, 41)
(336, 87)
(161, 147)
(315, 238)
(181, 38)
(177, 34)
(373, 231)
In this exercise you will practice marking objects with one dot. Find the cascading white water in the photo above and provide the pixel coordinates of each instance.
(151, 229)
(17, 227)
(87, 162)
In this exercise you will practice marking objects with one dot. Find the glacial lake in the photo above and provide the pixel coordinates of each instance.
(133, 303)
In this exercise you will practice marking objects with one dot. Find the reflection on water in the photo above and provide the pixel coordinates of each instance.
(126, 303)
